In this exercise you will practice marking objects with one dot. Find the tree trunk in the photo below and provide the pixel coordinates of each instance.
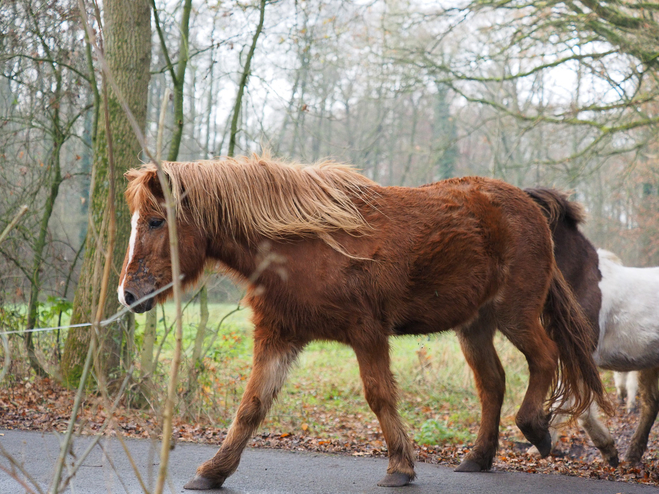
(179, 82)
(196, 360)
(35, 284)
(243, 81)
(127, 31)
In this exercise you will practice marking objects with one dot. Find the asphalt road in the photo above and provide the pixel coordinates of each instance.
(269, 471)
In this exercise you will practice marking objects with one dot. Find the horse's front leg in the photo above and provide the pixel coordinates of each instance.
(272, 359)
(381, 395)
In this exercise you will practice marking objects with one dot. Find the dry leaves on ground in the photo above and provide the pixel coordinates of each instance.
(45, 406)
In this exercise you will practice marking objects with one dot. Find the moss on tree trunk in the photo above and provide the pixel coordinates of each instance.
(127, 31)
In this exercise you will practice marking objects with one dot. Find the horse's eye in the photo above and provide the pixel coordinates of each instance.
(156, 223)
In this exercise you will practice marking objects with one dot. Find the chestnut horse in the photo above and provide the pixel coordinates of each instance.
(330, 255)
(622, 305)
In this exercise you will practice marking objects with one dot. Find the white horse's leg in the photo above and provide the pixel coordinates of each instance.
(620, 378)
(599, 435)
(632, 389)
(649, 408)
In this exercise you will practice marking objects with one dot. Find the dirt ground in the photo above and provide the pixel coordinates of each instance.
(45, 406)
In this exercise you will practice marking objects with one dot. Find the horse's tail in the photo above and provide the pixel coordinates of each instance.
(577, 381)
(557, 207)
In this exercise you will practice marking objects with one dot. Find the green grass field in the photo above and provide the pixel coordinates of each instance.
(437, 394)
(323, 394)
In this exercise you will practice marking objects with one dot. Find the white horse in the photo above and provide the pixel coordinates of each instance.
(626, 388)
(628, 341)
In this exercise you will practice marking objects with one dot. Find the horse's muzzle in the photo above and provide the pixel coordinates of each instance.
(130, 298)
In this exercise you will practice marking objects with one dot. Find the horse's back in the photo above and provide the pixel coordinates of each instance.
(474, 240)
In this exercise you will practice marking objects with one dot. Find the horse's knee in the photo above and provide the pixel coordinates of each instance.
(251, 413)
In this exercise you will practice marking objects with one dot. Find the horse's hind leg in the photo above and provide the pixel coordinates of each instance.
(632, 389)
(599, 434)
(647, 381)
(272, 359)
(620, 379)
(381, 395)
(542, 357)
(477, 345)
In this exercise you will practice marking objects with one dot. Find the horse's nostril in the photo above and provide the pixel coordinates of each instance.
(129, 297)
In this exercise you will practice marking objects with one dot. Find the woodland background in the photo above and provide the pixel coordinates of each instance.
(537, 93)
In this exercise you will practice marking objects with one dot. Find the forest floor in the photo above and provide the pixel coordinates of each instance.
(43, 405)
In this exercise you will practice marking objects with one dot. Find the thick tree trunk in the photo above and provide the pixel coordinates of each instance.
(127, 31)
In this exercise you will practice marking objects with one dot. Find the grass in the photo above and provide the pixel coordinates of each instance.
(323, 395)
(437, 394)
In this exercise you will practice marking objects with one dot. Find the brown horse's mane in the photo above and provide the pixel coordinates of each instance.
(258, 196)
(557, 206)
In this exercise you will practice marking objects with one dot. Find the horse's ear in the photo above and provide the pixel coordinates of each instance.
(146, 176)
(132, 174)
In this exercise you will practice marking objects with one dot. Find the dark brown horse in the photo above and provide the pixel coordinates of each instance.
(625, 343)
(330, 255)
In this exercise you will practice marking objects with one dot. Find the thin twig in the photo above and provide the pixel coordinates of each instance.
(74, 413)
(13, 223)
(173, 378)
(99, 434)
(20, 468)
(173, 242)
(13, 475)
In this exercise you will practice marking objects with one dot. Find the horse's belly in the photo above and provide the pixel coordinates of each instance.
(628, 352)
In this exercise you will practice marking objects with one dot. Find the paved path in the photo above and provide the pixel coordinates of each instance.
(271, 471)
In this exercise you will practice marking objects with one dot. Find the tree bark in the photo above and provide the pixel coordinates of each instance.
(127, 30)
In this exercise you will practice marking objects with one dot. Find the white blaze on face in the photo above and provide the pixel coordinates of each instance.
(131, 250)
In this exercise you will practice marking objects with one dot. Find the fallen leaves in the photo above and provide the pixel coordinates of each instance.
(45, 406)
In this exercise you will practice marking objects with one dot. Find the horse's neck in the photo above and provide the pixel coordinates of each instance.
(236, 254)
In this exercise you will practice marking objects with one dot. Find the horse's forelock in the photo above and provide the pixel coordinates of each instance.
(141, 192)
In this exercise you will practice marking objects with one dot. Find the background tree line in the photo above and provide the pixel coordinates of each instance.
(558, 94)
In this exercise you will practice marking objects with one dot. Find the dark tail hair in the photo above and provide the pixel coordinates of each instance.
(577, 381)
(556, 206)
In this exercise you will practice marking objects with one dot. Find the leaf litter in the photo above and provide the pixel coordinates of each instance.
(43, 405)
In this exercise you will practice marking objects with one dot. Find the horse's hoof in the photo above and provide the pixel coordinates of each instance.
(199, 483)
(544, 446)
(468, 466)
(613, 461)
(395, 480)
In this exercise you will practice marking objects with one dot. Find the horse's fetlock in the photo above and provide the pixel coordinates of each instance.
(403, 465)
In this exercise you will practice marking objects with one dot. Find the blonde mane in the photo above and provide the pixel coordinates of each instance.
(258, 196)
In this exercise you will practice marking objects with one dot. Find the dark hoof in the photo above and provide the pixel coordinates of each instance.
(468, 466)
(395, 480)
(613, 461)
(544, 446)
(199, 483)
